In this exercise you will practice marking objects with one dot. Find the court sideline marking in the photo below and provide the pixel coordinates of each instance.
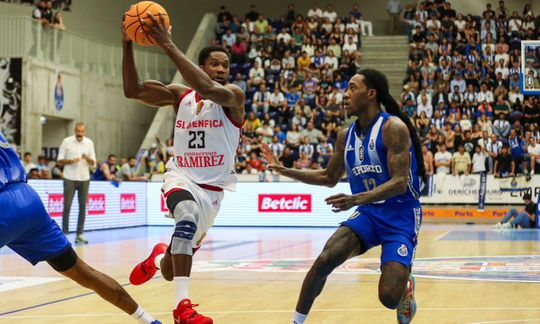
(432, 309)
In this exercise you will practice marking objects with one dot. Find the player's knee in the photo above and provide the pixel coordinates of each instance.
(389, 297)
(324, 264)
(186, 217)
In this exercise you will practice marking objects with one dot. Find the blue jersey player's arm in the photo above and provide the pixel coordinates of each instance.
(325, 177)
(396, 139)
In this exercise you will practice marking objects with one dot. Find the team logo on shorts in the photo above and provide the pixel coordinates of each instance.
(403, 250)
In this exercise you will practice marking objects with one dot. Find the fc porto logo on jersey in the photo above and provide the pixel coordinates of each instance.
(361, 153)
(372, 145)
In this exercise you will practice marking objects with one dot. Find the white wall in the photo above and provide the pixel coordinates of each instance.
(115, 124)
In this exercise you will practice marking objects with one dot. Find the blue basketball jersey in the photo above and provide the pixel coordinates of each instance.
(11, 169)
(366, 162)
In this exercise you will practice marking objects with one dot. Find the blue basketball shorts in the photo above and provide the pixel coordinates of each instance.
(395, 227)
(26, 227)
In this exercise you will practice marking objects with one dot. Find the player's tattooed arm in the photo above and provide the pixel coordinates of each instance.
(396, 139)
(327, 177)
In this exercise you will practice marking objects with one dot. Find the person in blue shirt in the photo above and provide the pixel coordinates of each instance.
(381, 155)
(27, 229)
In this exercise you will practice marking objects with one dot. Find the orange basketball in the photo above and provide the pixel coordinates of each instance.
(140, 10)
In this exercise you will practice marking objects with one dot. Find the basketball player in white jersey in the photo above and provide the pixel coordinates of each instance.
(209, 118)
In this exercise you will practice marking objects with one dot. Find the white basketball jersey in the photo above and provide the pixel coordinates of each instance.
(205, 142)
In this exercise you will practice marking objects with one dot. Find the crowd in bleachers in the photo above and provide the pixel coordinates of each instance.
(64, 5)
(462, 89)
(294, 70)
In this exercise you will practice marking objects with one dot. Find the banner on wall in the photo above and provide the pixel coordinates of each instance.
(465, 189)
(10, 98)
(108, 206)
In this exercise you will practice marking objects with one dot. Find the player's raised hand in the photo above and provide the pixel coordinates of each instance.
(158, 31)
(268, 155)
(125, 37)
(341, 202)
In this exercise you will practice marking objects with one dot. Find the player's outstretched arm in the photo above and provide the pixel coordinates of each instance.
(229, 95)
(327, 177)
(150, 92)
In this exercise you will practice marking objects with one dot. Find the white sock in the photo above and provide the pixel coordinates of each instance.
(299, 318)
(157, 260)
(181, 284)
(142, 316)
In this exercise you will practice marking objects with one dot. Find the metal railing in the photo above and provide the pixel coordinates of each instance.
(25, 37)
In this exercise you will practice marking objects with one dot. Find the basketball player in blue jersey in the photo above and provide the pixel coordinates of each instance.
(27, 228)
(382, 156)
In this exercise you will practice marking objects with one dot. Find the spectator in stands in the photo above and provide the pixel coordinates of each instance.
(533, 150)
(493, 148)
(261, 101)
(265, 131)
(428, 160)
(34, 174)
(501, 126)
(313, 134)
(394, 9)
(424, 106)
(39, 13)
(238, 51)
(315, 12)
(240, 163)
(504, 166)
(58, 21)
(27, 162)
(229, 38)
(461, 162)
(56, 172)
(128, 171)
(106, 170)
(224, 15)
(239, 81)
(523, 218)
(479, 160)
(443, 160)
(293, 136)
(330, 13)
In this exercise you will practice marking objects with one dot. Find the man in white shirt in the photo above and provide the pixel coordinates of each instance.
(485, 94)
(443, 159)
(284, 35)
(493, 148)
(27, 163)
(315, 12)
(77, 155)
(479, 160)
(350, 45)
(425, 106)
(330, 13)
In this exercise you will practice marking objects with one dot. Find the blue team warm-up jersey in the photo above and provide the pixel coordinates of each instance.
(366, 162)
(11, 169)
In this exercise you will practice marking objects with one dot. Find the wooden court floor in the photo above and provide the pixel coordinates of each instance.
(465, 274)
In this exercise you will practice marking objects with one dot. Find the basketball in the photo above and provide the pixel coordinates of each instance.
(139, 11)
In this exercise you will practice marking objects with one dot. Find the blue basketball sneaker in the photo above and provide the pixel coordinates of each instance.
(407, 308)
(156, 322)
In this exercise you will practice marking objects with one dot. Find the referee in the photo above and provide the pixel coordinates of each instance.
(77, 155)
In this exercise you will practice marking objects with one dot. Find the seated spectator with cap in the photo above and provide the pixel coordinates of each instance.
(523, 218)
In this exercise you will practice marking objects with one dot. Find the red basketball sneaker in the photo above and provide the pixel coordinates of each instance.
(185, 314)
(145, 270)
